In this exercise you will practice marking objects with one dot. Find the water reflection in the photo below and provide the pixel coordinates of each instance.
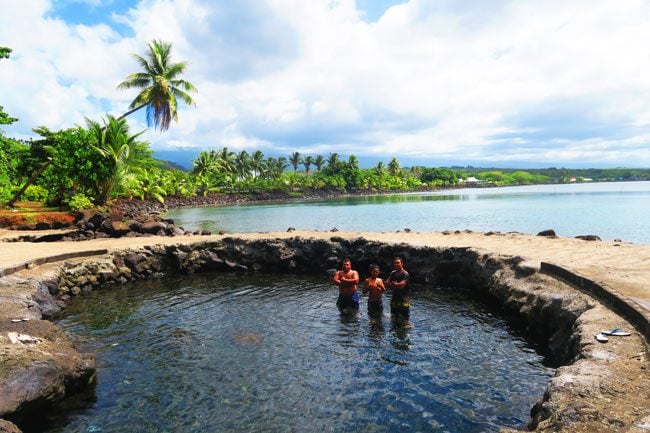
(376, 329)
(400, 329)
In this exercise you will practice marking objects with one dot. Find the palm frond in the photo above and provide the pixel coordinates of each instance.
(183, 96)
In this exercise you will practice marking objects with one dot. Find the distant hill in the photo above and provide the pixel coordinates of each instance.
(170, 165)
(182, 159)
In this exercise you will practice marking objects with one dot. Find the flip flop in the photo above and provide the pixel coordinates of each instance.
(601, 337)
(617, 332)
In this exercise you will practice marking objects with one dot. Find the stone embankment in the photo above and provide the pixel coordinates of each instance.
(598, 388)
(102, 225)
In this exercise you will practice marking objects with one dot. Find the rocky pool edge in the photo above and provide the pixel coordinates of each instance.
(590, 391)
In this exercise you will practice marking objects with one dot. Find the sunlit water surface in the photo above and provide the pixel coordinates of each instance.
(221, 353)
(609, 210)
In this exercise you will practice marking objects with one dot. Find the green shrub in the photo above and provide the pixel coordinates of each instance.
(34, 193)
(79, 201)
(5, 189)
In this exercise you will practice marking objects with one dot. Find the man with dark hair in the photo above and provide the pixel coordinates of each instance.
(398, 280)
(375, 286)
(347, 280)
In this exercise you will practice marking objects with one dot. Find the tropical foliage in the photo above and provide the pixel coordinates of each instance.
(102, 161)
(121, 151)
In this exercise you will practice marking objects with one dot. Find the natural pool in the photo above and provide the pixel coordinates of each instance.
(222, 353)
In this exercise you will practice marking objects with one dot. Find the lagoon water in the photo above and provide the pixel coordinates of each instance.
(609, 210)
(227, 353)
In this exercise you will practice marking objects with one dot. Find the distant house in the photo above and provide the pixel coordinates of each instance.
(472, 181)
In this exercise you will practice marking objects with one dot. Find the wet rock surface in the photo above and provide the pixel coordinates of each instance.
(38, 362)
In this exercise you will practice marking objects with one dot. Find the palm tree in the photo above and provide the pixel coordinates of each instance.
(393, 167)
(380, 169)
(353, 162)
(295, 160)
(148, 184)
(114, 142)
(242, 164)
(176, 182)
(307, 162)
(275, 167)
(257, 162)
(319, 161)
(333, 162)
(204, 163)
(227, 160)
(160, 85)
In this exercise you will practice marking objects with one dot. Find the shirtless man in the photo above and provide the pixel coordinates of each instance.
(375, 286)
(347, 280)
(398, 280)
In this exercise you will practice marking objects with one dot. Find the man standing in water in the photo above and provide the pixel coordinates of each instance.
(398, 280)
(347, 280)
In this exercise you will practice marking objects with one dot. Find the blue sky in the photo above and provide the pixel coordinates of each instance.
(503, 83)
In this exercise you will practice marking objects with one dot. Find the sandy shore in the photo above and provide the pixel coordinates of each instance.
(624, 267)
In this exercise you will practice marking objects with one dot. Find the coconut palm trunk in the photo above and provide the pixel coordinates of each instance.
(14, 199)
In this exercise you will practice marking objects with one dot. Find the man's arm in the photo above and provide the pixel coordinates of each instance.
(399, 284)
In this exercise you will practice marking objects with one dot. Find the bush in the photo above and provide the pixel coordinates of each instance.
(34, 193)
(79, 201)
(5, 189)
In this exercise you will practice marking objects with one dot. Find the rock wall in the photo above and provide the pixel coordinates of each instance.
(551, 311)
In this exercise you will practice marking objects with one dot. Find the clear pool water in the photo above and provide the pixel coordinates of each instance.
(225, 353)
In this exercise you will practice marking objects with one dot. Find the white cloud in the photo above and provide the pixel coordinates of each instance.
(447, 80)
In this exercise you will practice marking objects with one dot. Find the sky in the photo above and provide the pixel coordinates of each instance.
(500, 83)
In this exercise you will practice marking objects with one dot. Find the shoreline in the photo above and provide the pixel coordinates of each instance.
(618, 266)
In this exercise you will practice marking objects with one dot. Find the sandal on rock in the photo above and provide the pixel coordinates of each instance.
(617, 332)
(601, 337)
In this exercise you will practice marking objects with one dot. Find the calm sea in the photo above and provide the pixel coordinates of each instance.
(609, 210)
